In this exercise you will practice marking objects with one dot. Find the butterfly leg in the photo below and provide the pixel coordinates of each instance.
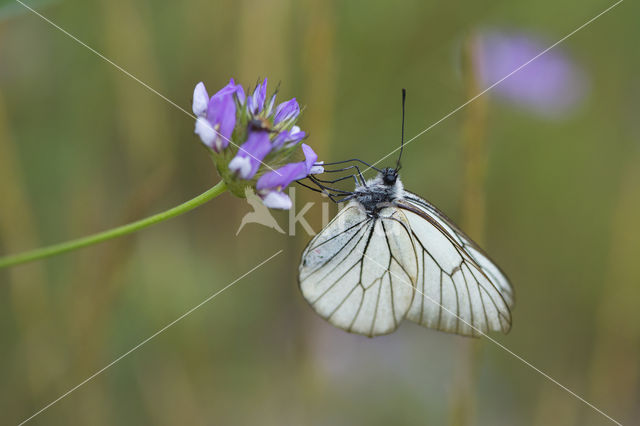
(355, 176)
(325, 190)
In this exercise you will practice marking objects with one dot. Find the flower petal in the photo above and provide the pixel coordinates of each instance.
(286, 111)
(256, 100)
(241, 166)
(240, 94)
(269, 107)
(280, 139)
(277, 200)
(310, 157)
(282, 177)
(253, 150)
(288, 138)
(296, 136)
(221, 114)
(200, 100)
(205, 130)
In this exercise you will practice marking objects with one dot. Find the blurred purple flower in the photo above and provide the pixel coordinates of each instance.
(250, 155)
(215, 123)
(551, 85)
(271, 185)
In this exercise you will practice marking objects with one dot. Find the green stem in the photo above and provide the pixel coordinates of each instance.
(55, 249)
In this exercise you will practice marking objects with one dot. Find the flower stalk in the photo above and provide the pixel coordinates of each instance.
(67, 246)
(463, 401)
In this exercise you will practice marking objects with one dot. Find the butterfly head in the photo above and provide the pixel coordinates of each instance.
(389, 176)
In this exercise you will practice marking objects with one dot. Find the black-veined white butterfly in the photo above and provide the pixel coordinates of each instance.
(390, 255)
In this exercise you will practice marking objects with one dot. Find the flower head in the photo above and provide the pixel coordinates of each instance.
(249, 136)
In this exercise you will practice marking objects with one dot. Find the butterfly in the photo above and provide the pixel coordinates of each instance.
(390, 255)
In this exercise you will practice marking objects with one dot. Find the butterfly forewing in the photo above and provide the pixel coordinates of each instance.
(359, 272)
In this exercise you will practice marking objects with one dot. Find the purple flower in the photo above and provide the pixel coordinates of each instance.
(288, 138)
(250, 155)
(266, 131)
(287, 111)
(271, 185)
(256, 100)
(550, 85)
(216, 124)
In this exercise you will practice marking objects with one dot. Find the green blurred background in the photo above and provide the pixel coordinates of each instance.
(83, 148)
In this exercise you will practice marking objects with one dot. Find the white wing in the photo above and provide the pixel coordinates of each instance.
(490, 269)
(459, 289)
(359, 272)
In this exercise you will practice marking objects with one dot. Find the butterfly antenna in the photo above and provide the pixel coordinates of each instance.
(404, 96)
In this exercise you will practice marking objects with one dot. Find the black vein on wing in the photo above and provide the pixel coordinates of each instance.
(337, 253)
(466, 284)
(367, 230)
(500, 313)
(391, 259)
(484, 309)
(465, 256)
(465, 241)
(340, 233)
(465, 259)
(338, 264)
